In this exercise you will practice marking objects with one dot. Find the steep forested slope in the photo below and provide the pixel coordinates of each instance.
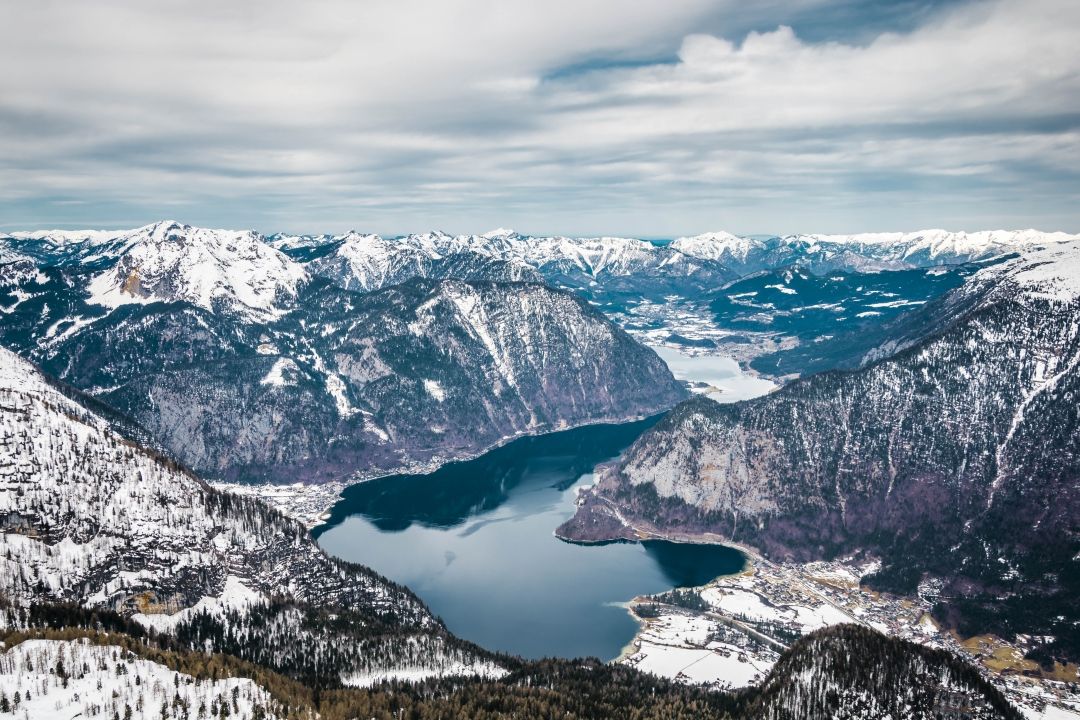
(93, 519)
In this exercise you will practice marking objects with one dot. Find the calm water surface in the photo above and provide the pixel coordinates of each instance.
(474, 540)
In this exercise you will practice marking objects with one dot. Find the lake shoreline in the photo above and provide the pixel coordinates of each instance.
(312, 503)
(474, 541)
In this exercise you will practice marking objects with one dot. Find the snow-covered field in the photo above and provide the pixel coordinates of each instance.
(455, 668)
(678, 646)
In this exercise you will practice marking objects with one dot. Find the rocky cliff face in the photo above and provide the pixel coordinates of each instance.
(958, 456)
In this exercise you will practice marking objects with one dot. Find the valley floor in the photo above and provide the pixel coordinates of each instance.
(730, 632)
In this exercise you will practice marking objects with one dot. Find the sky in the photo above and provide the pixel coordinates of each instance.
(650, 118)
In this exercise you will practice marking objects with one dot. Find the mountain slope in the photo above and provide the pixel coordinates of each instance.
(89, 516)
(831, 320)
(958, 457)
(93, 519)
(841, 672)
(413, 374)
(109, 680)
(864, 252)
(368, 262)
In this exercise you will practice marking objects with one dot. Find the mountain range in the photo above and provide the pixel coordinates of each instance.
(934, 428)
(952, 454)
(246, 367)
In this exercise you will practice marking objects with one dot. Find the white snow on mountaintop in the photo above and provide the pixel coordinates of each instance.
(108, 681)
(373, 259)
(1051, 272)
(933, 244)
(593, 255)
(716, 246)
(366, 262)
(943, 240)
(900, 245)
(244, 272)
(212, 269)
(62, 238)
(616, 256)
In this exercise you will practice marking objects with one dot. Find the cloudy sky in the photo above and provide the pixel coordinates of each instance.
(652, 118)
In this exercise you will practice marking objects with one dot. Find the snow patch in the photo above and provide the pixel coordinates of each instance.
(435, 390)
(276, 376)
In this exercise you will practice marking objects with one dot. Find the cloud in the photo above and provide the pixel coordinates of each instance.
(660, 119)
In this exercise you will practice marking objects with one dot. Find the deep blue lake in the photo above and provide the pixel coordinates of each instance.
(474, 540)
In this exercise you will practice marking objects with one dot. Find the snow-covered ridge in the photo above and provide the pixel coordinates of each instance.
(1049, 272)
(583, 259)
(260, 277)
(943, 240)
(242, 269)
(62, 238)
(374, 261)
(870, 251)
(213, 269)
(93, 519)
(717, 245)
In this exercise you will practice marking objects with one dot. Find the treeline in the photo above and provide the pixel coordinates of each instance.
(837, 669)
(314, 647)
(550, 688)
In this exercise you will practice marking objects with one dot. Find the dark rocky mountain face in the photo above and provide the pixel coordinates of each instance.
(958, 457)
(406, 376)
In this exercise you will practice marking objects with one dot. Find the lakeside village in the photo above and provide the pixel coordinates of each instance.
(736, 627)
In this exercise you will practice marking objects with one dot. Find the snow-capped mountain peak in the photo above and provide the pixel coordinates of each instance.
(500, 233)
(717, 246)
(936, 242)
(169, 262)
(63, 238)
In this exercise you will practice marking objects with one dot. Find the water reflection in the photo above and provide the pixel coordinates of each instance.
(459, 491)
(475, 541)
